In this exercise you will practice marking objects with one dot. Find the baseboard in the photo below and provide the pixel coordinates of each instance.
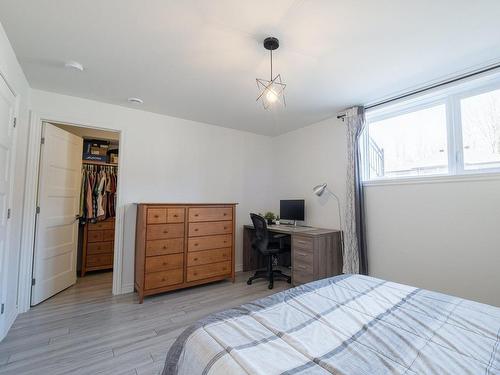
(238, 267)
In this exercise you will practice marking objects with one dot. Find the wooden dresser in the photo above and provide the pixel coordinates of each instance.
(98, 246)
(181, 245)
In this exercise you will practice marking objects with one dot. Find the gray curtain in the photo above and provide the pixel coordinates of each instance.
(355, 256)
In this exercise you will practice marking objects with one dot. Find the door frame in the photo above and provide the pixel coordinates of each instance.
(30, 202)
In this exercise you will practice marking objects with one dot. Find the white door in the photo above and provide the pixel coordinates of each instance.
(56, 241)
(8, 255)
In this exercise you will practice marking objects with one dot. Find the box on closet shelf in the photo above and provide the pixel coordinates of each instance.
(97, 145)
(99, 158)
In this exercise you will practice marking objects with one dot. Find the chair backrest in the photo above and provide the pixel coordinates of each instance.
(261, 238)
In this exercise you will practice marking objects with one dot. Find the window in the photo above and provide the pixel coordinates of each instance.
(456, 131)
(481, 130)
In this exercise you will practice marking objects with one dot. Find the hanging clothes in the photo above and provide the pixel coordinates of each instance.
(98, 192)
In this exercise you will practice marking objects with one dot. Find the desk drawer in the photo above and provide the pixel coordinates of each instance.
(210, 228)
(163, 278)
(164, 247)
(164, 231)
(210, 242)
(301, 277)
(305, 243)
(210, 214)
(208, 270)
(302, 257)
(164, 262)
(197, 258)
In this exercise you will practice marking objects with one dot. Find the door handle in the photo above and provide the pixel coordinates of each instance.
(77, 217)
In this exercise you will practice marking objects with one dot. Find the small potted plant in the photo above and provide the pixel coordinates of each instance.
(277, 221)
(269, 216)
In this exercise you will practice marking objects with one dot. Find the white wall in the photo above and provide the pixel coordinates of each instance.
(11, 71)
(307, 157)
(166, 159)
(441, 236)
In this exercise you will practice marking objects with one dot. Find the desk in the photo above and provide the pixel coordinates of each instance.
(316, 253)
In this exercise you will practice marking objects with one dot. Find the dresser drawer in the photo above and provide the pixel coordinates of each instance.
(157, 216)
(165, 215)
(95, 236)
(210, 214)
(208, 270)
(108, 235)
(163, 247)
(210, 242)
(208, 256)
(106, 224)
(100, 247)
(210, 228)
(164, 231)
(163, 278)
(99, 260)
(164, 262)
(175, 215)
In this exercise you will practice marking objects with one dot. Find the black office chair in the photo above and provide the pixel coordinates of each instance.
(268, 245)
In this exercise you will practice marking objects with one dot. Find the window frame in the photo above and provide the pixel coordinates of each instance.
(450, 97)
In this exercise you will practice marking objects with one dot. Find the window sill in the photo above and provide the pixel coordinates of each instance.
(478, 176)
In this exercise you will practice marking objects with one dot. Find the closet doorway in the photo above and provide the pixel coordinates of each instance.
(76, 207)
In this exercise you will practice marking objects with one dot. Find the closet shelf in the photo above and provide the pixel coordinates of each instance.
(99, 163)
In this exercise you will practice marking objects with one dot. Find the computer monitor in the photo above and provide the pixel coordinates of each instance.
(292, 209)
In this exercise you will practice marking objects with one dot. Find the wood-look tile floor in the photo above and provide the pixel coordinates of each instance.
(87, 330)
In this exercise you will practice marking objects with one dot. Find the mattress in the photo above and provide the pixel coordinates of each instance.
(349, 324)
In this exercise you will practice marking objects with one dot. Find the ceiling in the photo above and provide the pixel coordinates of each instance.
(198, 59)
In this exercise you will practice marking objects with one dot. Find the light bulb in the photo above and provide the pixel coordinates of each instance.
(271, 96)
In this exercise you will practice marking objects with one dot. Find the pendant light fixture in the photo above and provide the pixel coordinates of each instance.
(271, 92)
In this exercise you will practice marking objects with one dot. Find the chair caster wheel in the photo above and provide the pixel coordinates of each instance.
(289, 280)
(270, 286)
(249, 282)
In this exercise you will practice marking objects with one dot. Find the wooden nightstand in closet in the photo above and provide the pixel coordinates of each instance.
(98, 246)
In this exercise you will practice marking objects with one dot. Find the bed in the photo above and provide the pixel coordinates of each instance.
(349, 324)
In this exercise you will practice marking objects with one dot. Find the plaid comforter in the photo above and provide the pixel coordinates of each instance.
(348, 324)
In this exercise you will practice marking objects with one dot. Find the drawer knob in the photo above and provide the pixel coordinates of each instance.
(195, 259)
(196, 215)
(156, 216)
(165, 247)
(196, 244)
(165, 231)
(225, 214)
(175, 215)
(225, 228)
(196, 229)
(162, 279)
(164, 263)
(195, 273)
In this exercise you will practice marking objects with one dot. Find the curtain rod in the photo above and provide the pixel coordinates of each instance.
(430, 87)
